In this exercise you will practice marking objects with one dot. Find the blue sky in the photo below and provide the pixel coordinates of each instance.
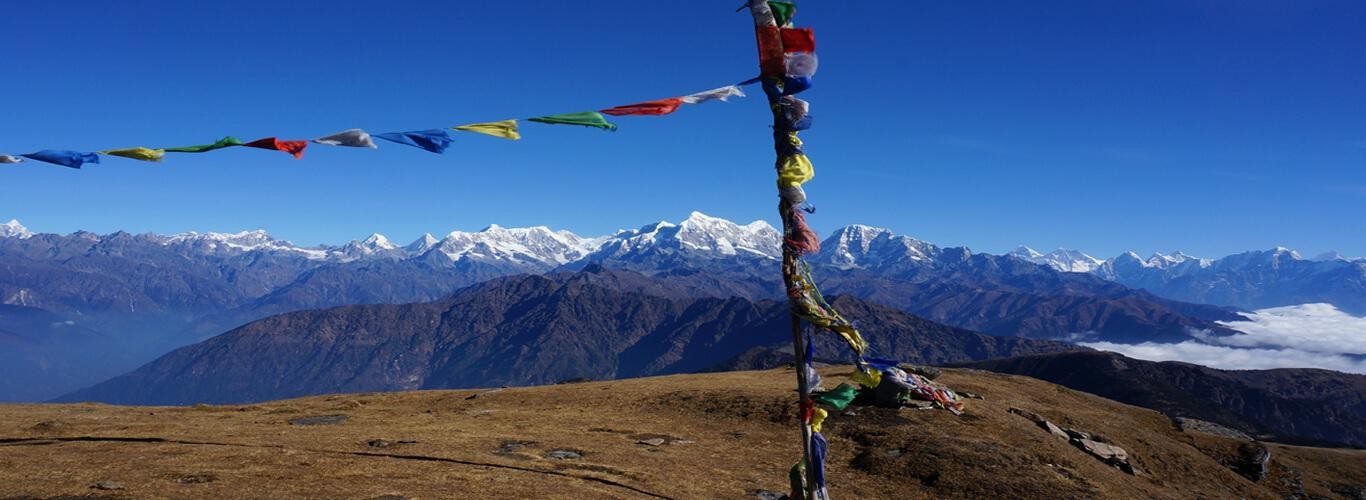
(1207, 126)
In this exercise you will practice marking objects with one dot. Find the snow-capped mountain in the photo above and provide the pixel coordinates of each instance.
(13, 229)
(244, 242)
(700, 236)
(1064, 260)
(536, 246)
(421, 245)
(865, 247)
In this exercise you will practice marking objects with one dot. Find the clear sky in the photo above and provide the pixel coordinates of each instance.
(1207, 126)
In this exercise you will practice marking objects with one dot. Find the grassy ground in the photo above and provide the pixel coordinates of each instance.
(726, 435)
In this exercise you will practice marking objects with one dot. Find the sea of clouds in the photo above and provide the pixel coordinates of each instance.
(1302, 336)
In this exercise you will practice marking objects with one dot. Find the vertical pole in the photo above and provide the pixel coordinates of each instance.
(799, 351)
(764, 18)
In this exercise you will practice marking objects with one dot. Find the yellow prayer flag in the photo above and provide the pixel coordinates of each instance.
(506, 129)
(144, 154)
(795, 170)
(817, 419)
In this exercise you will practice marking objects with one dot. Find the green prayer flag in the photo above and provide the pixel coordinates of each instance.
(586, 118)
(222, 143)
(782, 11)
(837, 398)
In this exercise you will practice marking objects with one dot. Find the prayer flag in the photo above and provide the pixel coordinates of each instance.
(10, 159)
(798, 39)
(586, 118)
(648, 108)
(782, 11)
(795, 170)
(222, 143)
(73, 159)
(144, 154)
(721, 94)
(295, 148)
(354, 137)
(434, 140)
(770, 51)
(506, 129)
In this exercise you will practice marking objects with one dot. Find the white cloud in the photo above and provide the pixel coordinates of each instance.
(1233, 358)
(1310, 327)
(1302, 336)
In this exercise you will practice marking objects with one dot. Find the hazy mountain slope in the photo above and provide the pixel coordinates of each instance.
(517, 330)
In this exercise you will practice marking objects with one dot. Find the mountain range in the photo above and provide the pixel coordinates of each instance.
(152, 293)
(1249, 280)
(521, 330)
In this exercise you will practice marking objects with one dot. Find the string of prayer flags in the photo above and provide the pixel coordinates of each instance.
(587, 119)
(435, 140)
(139, 153)
(354, 138)
(295, 148)
(648, 108)
(506, 129)
(720, 94)
(225, 142)
(73, 159)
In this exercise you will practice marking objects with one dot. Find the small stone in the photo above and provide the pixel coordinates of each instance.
(769, 495)
(379, 443)
(319, 420)
(194, 478)
(918, 405)
(1033, 417)
(682, 441)
(652, 442)
(849, 413)
(894, 453)
(1055, 430)
(107, 485)
(972, 395)
(563, 455)
(511, 446)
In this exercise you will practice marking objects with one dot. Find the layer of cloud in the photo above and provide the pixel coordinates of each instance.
(1309, 327)
(1302, 336)
(1234, 358)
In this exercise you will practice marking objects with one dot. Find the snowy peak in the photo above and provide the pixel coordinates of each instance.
(698, 235)
(13, 229)
(1025, 253)
(537, 246)
(1062, 259)
(378, 242)
(372, 246)
(241, 242)
(421, 245)
(1334, 256)
(703, 232)
(865, 247)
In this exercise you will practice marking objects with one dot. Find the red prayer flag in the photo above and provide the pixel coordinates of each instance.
(659, 107)
(295, 148)
(770, 51)
(798, 40)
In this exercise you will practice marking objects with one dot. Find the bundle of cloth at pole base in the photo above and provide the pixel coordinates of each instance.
(787, 61)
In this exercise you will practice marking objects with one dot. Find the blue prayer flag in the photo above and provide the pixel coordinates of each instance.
(73, 159)
(435, 140)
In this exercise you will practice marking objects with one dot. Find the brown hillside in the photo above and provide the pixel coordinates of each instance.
(726, 435)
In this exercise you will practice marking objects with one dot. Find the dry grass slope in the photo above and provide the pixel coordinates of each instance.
(725, 435)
